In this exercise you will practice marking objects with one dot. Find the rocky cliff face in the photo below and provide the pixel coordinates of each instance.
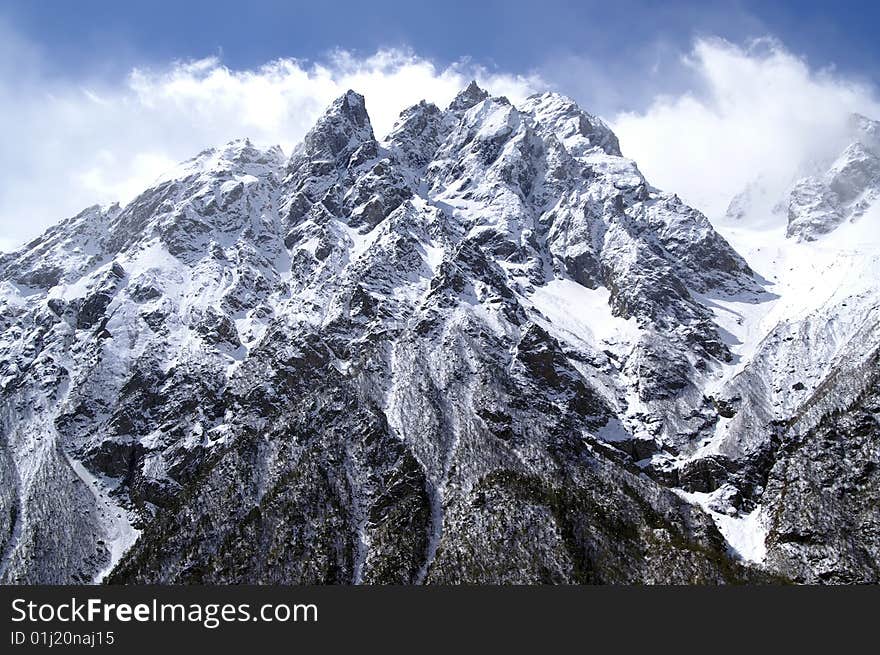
(484, 349)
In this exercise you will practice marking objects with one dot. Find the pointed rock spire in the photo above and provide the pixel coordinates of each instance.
(351, 105)
(472, 95)
(343, 128)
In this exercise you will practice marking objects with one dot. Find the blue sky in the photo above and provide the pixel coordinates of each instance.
(100, 97)
(106, 37)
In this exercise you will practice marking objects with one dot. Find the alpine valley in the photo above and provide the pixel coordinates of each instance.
(482, 350)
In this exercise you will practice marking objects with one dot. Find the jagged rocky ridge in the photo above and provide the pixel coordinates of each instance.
(480, 350)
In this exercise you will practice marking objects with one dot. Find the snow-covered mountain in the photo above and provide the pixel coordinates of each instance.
(802, 399)
(483, 349)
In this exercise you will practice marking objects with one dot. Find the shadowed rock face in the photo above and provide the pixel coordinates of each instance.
(825, 491)
(473, 352)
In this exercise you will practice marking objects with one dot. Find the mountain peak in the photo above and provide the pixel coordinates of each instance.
(578, 130)
(469, 97)
(417, 133)
(341, 130)
(352, 106)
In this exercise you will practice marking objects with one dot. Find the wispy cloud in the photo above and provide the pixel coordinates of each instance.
(70, 145)
(712, 120)
(755, 112)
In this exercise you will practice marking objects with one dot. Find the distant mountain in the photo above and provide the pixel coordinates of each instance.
(483, 349)
(836, 190)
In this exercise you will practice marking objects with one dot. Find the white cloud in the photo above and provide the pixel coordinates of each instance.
(71, 145)
(757, 112)
(748, 112)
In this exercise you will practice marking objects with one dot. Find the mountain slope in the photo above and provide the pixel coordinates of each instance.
(484, 349)
(798, 439)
